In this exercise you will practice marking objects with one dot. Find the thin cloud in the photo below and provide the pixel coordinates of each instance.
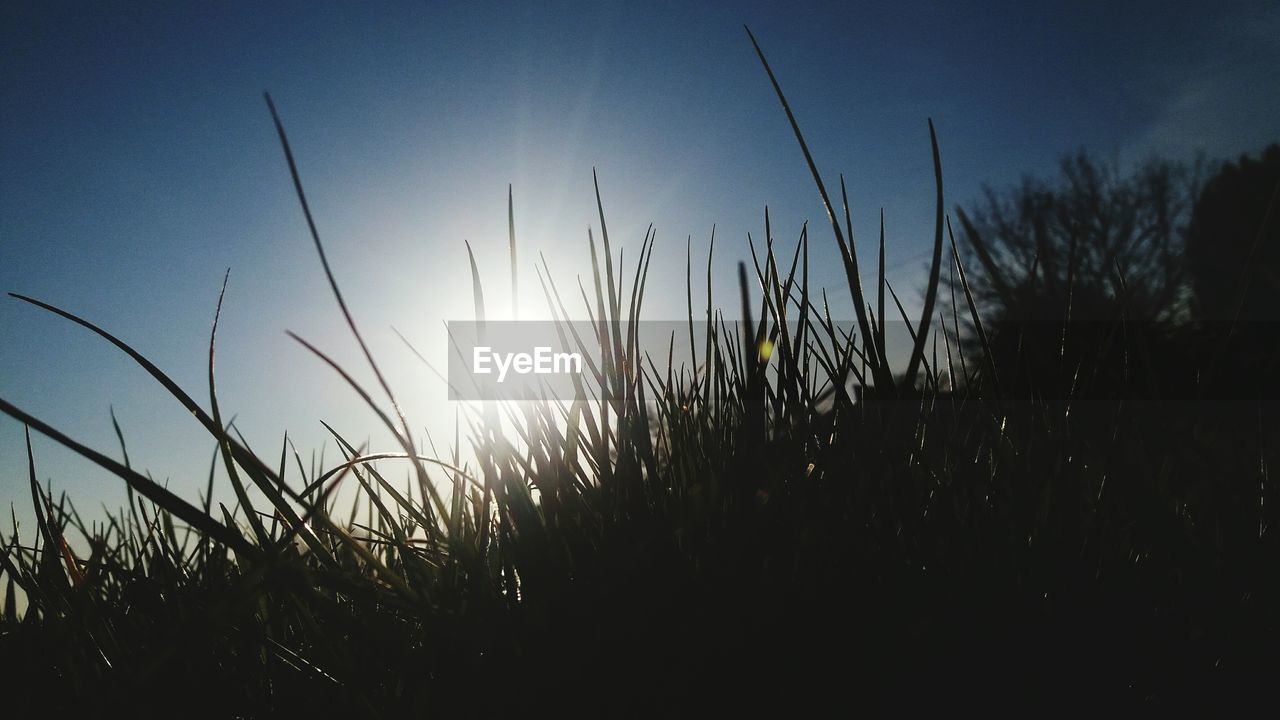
(1227, 103)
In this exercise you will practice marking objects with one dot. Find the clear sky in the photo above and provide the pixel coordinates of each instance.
(138, 163)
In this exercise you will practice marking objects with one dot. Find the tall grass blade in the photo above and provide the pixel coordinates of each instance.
(935, 267)
(847, 252)
(407, 439)
(242, 496)
(511, 245)
(145, 486)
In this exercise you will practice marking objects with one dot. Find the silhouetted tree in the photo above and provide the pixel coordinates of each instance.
(1057, 266)
(1086, 243)
(1234, 242)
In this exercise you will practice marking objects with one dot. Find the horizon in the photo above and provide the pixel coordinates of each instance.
(140, 163)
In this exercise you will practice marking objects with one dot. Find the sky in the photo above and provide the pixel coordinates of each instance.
(138, 164)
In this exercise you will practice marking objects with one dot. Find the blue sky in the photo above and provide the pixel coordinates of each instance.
(138, 163)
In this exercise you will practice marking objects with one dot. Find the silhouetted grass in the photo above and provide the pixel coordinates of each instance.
(736, 535)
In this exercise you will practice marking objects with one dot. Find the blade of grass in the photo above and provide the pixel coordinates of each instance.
(241, 495)
(935, 267)
(847, 252)
(144, 485)
(407, 438)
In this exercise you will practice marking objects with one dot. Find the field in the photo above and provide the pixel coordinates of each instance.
(790, 521)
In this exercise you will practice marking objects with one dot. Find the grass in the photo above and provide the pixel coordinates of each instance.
(744, 533)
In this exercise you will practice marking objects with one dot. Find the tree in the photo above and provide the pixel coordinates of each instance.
(1234, 242)
(1086, 247)
(1057, 265)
